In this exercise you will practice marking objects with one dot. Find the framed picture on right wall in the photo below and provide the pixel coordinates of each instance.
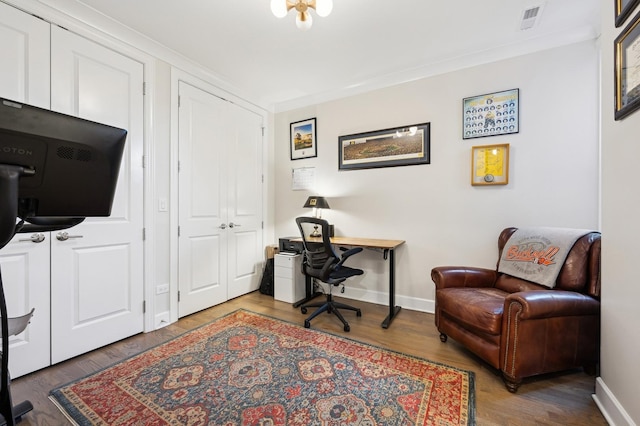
(627, 69)
(624, 9)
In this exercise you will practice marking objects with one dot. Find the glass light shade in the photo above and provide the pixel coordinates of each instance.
(324, 7)
(279, 8)
(304, 20)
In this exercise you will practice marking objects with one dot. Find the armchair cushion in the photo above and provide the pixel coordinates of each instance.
(483, 310)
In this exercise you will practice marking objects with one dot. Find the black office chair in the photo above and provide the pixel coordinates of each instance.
(321, 262)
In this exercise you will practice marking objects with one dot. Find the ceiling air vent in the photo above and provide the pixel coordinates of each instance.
(530, 17)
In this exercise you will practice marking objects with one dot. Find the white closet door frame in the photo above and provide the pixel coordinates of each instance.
(146, 53)
(178, 75)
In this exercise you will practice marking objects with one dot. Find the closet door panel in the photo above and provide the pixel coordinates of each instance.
(245, 244)
(24, 49)
(25, 277)
(97, 282)
(202, 211)
(24, 77)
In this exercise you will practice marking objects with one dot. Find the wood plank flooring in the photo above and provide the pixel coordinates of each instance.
(558, 399)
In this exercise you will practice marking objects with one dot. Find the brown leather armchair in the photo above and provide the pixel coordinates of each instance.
(521, 328)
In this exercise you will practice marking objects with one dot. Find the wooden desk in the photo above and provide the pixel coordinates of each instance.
(388, 252)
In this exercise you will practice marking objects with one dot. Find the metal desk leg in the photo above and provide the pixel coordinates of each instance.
(393, 309)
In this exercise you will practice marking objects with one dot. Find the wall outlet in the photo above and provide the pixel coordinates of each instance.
(162, 288)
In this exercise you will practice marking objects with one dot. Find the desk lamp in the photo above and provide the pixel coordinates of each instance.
(318, 203)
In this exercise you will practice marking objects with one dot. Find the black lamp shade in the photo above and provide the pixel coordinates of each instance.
(317, 202)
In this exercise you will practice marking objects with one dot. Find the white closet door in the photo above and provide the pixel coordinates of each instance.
(97, 279)
(25, 277)
(202, 211)
(24, 49)
(245, 247)
(24, 77)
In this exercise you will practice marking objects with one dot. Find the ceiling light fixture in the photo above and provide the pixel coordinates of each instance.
(323, 8)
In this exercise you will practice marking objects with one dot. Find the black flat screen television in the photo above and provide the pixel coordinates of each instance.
(72, 164)
(55, 169)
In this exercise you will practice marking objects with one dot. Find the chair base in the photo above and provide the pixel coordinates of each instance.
(331, 307)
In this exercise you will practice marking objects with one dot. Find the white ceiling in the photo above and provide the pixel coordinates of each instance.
(363, 44)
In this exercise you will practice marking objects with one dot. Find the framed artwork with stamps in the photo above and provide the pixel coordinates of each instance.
(491, 114)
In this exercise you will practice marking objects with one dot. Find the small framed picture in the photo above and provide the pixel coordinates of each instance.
(303, 139)
(624, 9)
(491, 114)
(627, 69)
(490, 165)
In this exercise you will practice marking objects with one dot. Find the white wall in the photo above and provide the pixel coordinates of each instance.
(160, 161)
(618, 386)
(444, 220)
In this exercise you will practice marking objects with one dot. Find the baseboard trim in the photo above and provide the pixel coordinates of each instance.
(613, 412)
(162, 320)
(382, 298)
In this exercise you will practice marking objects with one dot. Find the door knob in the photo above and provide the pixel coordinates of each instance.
(35, 238)
(64, 236)
(232, 225)
(223, 226)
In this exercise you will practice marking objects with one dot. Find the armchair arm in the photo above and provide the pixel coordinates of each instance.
(547, 330)
(463, 276)
(540, 304)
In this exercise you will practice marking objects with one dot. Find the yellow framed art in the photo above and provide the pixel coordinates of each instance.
(490, 165)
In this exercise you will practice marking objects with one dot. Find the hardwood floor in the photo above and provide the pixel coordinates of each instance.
(559, 399)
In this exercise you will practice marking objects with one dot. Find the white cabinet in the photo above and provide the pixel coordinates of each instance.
(289, 281)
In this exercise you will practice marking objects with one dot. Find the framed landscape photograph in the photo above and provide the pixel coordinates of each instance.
(400, 146)
(303, 139)
(624, 9)
(491, 114)
(627, 69)
(490, 165)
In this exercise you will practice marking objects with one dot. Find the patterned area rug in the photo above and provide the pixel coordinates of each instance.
(249, 369)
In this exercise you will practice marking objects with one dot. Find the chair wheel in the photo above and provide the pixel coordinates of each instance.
(347, 328)
(358, 313)
(443, 337)
(303, 310)
(307, 324)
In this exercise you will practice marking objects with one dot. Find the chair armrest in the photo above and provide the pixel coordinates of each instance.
(463, 276)
(540, 304)
(347, 254)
